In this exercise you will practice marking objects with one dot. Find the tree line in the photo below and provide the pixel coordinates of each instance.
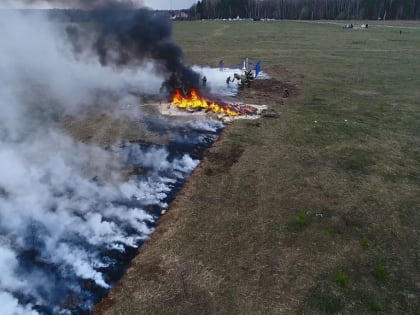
(306, 9)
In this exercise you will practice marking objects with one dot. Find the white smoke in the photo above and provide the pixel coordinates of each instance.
(217, 77)
(37, 62)
(65, 4)
(62, 202)
(10, 305)
(216, 80)
(205, 125)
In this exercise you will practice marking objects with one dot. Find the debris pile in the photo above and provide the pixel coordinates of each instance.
(193, 103)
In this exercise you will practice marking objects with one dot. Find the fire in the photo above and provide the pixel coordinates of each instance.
(196, 102)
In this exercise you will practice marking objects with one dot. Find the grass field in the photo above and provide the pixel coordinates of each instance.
(314, 212)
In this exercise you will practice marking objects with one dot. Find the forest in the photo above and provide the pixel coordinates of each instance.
(307, 9)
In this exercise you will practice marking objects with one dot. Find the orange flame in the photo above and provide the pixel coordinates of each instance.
(194, 101)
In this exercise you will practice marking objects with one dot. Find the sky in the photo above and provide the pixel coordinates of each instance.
(154, 4)
(168, 4)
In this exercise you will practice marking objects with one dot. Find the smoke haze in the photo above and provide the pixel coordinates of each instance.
(73, 4)
(64, 204)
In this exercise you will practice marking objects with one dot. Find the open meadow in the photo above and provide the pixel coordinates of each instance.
(316, 211)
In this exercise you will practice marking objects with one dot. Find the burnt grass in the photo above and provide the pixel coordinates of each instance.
(314, 211)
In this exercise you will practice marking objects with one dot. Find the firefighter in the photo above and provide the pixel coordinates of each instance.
(204, 81)
(247, 79)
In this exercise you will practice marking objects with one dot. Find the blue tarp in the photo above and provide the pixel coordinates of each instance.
(257, 68)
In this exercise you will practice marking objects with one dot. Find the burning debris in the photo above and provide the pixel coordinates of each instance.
(194, 103)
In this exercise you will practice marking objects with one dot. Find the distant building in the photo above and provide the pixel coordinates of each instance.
(179, 15)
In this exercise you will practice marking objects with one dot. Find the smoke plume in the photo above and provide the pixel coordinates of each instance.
(75, 4)
(66, 211)
(126, 33)
(139, 35)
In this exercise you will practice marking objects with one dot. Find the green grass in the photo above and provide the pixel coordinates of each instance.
(302, 220)
(347, 142)
(376, 306)
(299, 222)
(341, 278)
(381, 272)
(365, 242)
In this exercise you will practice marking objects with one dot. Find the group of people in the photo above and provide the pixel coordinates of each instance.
(244, 79)
(235, 76)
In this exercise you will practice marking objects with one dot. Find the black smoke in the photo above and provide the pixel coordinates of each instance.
(129, 36)
(125, 33)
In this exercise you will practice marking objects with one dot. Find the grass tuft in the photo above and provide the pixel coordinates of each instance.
(302, 220)
(341, 278)
(380, 272)
(365, 243)
(376, 306)
(299, 222)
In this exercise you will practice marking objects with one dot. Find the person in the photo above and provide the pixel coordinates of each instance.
(204, 81)
(228, 80)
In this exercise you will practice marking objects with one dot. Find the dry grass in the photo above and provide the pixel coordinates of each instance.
(315, 211)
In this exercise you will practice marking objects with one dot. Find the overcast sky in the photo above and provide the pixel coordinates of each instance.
(154, 4)
(167, 4)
